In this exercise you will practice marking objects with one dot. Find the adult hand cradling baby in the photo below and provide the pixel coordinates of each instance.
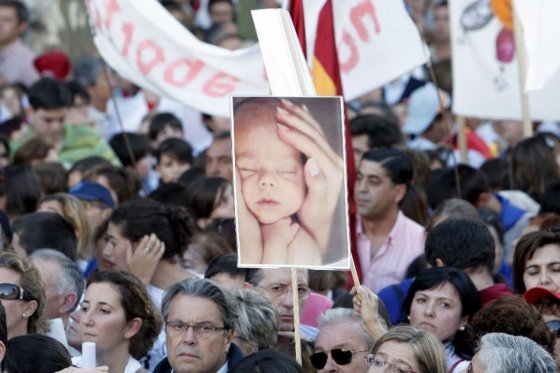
(323, 171)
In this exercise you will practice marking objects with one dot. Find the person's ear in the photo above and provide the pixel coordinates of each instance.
(463, 323)
(29, 309)
(483, 200)
(133, 327)
(106, 213)
(229, 338)
(248, 286)
(22, 27)
(439, 263)
(202, 222)
(2, 351)
(401, 192)
(68, 303)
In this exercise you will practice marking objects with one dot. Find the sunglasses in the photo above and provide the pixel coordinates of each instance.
(12, 291)
(340, 356)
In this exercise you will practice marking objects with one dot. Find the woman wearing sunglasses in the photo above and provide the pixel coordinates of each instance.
(404, 349)
(118, 315)
(443, 300)
(22, 294)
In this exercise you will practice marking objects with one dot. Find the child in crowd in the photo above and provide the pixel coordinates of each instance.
(164, 126)
(174, 157)
(270, 175)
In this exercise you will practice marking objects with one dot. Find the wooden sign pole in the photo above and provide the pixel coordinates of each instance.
(520, 53)
(295, 300)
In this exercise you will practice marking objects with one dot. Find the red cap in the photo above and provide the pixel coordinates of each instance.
(533, 295)
(55, 64)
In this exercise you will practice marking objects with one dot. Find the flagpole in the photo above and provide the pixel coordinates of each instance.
(520, 52)
(462, 138)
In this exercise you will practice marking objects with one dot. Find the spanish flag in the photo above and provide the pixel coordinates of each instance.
(326, 77)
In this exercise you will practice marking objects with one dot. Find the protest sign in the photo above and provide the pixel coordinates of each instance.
(541, 32)
(290, 195)
(145, 44)
(485, 70)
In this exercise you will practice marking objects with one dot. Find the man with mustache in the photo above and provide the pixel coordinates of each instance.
(199, 328)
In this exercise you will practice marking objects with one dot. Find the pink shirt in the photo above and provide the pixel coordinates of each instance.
(388, 266)
(16, 64)
(315, 306)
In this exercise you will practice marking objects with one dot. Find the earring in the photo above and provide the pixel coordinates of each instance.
(23, 315)
(408, 317)
(462, 328)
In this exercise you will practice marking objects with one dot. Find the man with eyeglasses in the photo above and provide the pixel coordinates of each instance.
(342, 344)
(199, 329)
(276, 285)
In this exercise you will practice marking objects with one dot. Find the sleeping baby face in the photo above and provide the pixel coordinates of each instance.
(271, 171)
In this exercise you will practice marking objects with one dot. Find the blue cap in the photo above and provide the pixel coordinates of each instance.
(423, 108)
(91, 191)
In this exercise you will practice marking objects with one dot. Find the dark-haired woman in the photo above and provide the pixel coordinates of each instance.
(118, 315)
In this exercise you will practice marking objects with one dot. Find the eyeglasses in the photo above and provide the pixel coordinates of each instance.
(280, 290)
(340, 356)
(202, 330)
(12, 291)
(378, 363)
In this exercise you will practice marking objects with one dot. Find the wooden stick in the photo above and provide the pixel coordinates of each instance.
(520, 53)
(462, 138)
(355, 276)
(297, 331)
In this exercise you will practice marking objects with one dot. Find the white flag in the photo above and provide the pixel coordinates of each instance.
(485, 69)
(541, 36)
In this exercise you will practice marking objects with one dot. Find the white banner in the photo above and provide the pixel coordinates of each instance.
(541, 36)
(146, 45)
(485, 69)
(377, 41)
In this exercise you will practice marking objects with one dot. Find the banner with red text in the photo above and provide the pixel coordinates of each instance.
(145, 44)
(485, 68)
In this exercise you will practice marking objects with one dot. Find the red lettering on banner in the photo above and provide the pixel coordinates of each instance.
(146, 46)
(127, 29)
(354, 56)
(191, 70)
(358, 13)
(220, 85)
(111, 8)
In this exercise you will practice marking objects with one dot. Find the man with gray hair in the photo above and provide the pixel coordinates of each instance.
(342, 344)
(257, 323)
(64, 285)
(199, 325)
(504, 353)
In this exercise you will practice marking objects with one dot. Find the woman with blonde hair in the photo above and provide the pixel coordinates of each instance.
(407, 349)
(70, 208)
(22, 294)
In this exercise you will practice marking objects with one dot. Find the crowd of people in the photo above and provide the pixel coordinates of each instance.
(118, 225)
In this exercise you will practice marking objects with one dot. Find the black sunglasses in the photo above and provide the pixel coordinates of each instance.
(340, 356)
(12, 291)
